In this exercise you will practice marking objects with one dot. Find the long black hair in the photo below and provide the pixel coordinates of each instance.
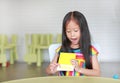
(85, 40)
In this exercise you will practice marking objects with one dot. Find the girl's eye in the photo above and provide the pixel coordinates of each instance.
(76, 30)
(68, 31)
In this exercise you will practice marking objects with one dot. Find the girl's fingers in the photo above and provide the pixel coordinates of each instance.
(53, 67)
(74, 62)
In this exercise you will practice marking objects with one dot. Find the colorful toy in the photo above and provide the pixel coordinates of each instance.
(116, 76)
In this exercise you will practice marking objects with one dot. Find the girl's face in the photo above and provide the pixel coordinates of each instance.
(73, 33)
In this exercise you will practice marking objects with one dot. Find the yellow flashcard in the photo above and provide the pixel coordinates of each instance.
(65, 61)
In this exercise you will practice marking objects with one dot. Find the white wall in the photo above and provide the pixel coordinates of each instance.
(45, 16)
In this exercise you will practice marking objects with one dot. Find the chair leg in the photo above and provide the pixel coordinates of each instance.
(4, 64)
(38, 57)
(31, 56)
(41, 53)
(3, 59)
(11, 56)
(15, 54)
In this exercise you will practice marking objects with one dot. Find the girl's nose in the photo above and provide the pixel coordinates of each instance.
(72, 34)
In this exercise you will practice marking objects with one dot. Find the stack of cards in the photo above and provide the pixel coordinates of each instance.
(65, 62)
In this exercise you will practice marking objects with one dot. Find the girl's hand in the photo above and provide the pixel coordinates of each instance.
(75, 63)
(53, 68)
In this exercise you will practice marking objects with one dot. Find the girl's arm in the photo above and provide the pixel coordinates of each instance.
(92, 72)
(52, 67)
(89, 72)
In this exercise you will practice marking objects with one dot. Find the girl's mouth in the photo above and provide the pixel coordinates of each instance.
(74, 40)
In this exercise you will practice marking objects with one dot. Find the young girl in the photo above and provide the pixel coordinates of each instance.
(76, 39)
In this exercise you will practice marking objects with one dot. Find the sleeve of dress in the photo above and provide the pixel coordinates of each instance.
(94, 51)
(58, 50)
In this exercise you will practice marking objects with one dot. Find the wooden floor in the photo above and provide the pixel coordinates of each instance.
(23, 70)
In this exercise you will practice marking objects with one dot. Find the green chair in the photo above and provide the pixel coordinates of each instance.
(34, 43)
(44, 41)
(3, 44)
(50, 39)
(13, 47)
(30, 55)
(38, 43)
(59, 38)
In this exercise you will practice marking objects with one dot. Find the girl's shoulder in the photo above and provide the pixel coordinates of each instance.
(58, 49)
(94, 50)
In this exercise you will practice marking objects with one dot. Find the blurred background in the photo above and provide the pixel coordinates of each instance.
(23, 17)
(45, 16)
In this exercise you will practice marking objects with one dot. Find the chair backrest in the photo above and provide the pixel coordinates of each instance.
(14, 38)
(34, 39)
(3, 40)
(45, 39)
(59, 38)
(52, 49)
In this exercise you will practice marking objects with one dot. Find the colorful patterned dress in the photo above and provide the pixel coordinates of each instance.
(80, 58)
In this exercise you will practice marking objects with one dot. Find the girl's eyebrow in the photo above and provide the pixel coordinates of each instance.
(75, 28)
